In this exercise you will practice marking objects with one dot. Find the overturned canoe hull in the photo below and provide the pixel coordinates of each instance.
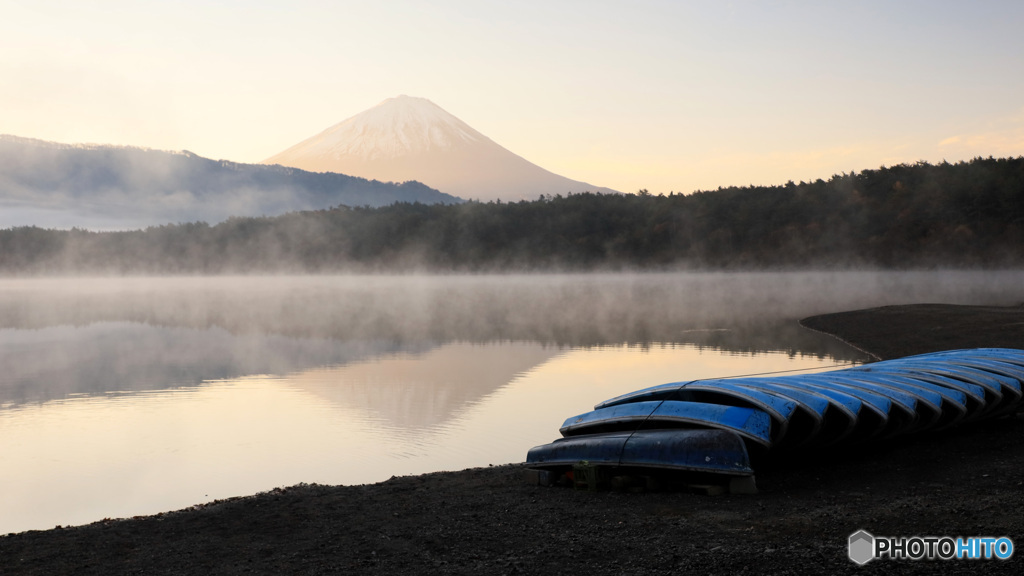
(691, 450)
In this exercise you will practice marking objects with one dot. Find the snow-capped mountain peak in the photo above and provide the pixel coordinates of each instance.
(396, 127)
(408, 138)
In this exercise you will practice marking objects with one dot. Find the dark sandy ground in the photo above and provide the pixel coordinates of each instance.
(895, 331)
(968, 481)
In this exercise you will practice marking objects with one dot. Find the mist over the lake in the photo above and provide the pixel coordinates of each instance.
(382, 312)
(574, 309)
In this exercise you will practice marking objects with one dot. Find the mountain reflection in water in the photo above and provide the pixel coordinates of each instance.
(409, 393)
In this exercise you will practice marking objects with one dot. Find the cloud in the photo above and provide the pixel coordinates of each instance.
(1001, 137)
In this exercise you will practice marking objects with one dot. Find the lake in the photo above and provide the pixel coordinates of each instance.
(130, 396)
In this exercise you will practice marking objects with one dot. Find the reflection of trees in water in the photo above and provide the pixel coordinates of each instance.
(54, 362)
(780, 336)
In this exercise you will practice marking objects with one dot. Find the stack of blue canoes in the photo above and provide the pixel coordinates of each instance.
(713, 425)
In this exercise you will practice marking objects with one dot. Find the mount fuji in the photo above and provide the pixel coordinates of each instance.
(407, 138)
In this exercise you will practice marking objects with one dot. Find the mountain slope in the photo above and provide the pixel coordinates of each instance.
(407, 138)
(57, 185)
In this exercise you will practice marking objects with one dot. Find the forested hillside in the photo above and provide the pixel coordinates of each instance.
(114, 187)
(969, 214)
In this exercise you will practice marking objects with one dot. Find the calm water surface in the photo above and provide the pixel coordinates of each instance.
(135, 396)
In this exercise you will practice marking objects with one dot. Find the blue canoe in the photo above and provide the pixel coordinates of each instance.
(695, 450)
(841, 418)
(723, 392)
(753, 425)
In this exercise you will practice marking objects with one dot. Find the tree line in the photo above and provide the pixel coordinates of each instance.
(968, 214)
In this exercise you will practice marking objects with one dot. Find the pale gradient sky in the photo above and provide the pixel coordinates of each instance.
(664, 95)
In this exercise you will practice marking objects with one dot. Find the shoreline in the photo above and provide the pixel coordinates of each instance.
(967, 481)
